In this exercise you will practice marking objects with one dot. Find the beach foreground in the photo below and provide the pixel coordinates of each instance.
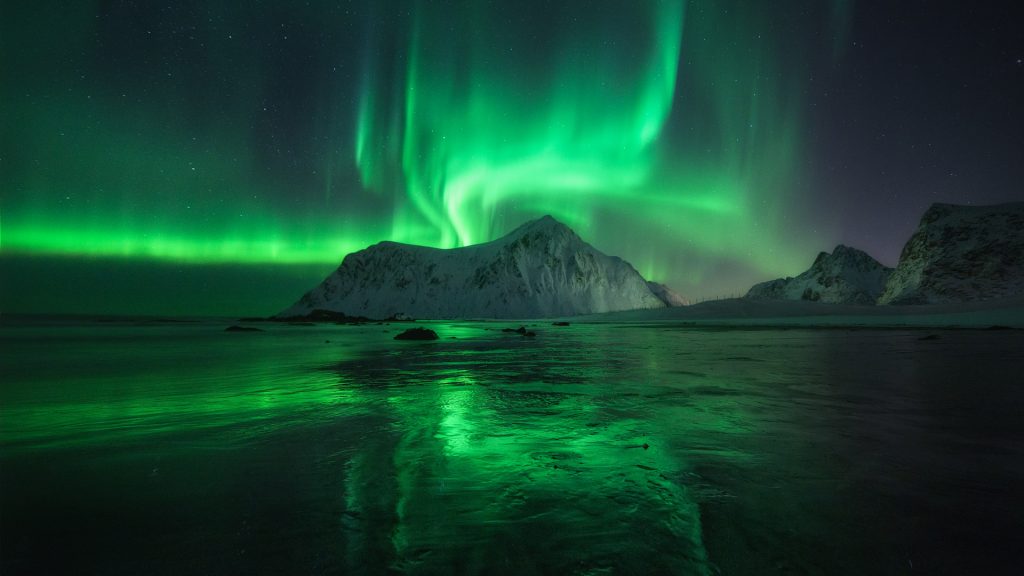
(176, 447)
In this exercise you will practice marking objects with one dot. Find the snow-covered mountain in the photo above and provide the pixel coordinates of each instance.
(961, 254)
(541, 269)
(670, 297)
(846, 276)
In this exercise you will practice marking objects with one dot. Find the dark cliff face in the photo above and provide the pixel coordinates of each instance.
(961, 254)
(846, 276)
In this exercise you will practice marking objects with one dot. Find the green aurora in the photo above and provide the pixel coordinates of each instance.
(671, 134)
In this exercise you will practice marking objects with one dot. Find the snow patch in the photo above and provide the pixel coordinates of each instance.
(846, 276)
(541, 269)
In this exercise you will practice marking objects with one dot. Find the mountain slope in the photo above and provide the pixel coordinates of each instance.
(846, 276)
(670, 297)
(960, 254)
(541, 269)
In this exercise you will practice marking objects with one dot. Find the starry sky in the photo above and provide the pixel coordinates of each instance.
(220, 158)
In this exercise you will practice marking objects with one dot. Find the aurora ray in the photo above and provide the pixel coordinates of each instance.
(473, 137)
(671, 134)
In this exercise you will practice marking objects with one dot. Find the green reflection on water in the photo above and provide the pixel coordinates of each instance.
(109, 384)
(531, 450)
(567, 452)
(335, 449)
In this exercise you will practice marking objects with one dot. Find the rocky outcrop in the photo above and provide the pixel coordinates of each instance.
(846, 276)
(417, 334)
(961, 254)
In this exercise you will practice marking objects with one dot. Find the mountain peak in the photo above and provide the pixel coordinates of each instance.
(941, 210)
(849, 252)
(959, 254)
(546, 224)
(540, 269)
(847, 275)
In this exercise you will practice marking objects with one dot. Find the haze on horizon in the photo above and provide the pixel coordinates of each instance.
(204, 158)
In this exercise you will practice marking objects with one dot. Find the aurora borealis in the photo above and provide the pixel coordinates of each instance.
(489, 135)
(184, 151)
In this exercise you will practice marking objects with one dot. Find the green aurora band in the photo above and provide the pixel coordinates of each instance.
(478, 136)
(669, 134)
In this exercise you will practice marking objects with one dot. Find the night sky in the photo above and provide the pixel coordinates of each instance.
(221, 158)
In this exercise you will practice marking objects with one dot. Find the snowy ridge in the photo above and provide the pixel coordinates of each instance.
(961, 254)
(846, 276)
(541, 269)
(670, 297)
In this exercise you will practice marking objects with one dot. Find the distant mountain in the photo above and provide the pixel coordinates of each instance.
(961, 254)
(541, 269)
(846, 276)
(667, 295)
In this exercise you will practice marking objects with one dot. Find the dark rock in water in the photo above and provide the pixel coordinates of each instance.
(320, 315)
(529, 334)
(331, 316)
(559, 323)
(521, 330)
(929, 337)
(237, 328)
(417, 334)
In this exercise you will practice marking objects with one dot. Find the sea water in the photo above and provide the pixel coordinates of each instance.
(158, 447)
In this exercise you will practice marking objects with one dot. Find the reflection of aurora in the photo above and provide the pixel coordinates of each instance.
(491, 457)
(494, 453)
(486, 450)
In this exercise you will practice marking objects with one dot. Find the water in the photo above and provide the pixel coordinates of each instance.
(591, 449)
